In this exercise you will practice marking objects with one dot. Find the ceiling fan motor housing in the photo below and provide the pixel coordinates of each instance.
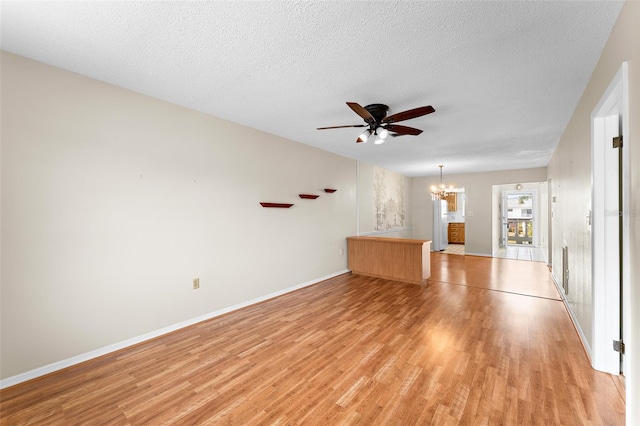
(378, 111)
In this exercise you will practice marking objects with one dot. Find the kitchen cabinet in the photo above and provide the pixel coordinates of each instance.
(452, 201)
(456, 233)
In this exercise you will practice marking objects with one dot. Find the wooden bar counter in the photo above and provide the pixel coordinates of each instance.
(398, 259)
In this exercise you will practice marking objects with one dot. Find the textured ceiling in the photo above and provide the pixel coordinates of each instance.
(504, 77)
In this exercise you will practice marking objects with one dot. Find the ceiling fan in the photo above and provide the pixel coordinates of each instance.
(381, 125)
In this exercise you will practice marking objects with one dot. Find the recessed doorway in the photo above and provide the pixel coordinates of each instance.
(455, 221)
(520, 221)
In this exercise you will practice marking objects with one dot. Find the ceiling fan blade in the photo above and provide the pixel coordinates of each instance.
(361, 112)
(409, 114)
(402, 130)
(341, 127)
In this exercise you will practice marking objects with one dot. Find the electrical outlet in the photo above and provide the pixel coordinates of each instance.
(196, 283)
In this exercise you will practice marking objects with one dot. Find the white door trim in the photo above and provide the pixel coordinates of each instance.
(604, 252)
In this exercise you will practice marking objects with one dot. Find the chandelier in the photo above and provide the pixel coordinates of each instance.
(439, 192)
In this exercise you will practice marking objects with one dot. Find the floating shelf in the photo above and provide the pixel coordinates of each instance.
(308, 196)
(278, 205)
(329, 190)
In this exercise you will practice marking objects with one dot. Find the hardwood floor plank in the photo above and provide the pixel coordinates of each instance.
(486, 341)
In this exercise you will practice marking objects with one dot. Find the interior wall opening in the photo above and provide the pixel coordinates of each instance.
(520, 221)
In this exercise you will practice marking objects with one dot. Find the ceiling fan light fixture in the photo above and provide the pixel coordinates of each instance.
(365, 135)
(382, 132)
(378, 141)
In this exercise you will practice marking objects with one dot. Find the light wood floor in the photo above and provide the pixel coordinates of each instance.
(484, 342)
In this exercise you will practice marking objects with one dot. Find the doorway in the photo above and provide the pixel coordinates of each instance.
(456, 203)
(609, 241)
(519, 218)
(520, 221)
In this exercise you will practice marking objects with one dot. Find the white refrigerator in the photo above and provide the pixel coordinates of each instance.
(440, 226)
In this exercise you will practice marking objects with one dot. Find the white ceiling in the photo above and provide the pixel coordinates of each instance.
(504, 77)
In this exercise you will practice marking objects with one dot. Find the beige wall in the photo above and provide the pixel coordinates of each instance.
(113, 201)
(570, 172)
(479, 200)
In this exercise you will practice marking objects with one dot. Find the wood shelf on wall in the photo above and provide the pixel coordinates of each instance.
(329, 190)
(308, 196)
(277, 205)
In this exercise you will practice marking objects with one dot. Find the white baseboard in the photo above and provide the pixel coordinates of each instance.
(56, 366)
(576, 324)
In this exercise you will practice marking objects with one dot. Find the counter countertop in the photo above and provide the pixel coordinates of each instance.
(389, 240)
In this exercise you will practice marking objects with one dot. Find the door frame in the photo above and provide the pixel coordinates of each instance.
(604, 267)
(535, 242)
(550, 204)
(498, 212)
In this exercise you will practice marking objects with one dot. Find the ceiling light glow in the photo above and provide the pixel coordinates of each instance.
(365, 135)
